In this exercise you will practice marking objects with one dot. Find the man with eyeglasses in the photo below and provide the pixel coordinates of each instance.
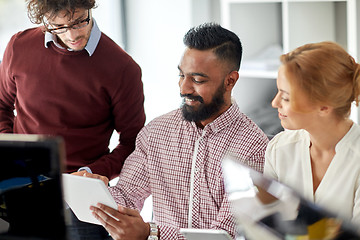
(65, 32)
(67, 78)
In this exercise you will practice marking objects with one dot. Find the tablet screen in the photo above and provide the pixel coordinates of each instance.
(82, 192)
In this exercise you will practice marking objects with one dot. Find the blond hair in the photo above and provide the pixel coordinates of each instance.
(325, 73)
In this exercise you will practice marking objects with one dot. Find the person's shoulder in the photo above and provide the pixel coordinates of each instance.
(165, 124)
(288, 137)
(109, 46)
(170, 118)
(246, 125)
(29, 33)
(118, 57)
(26, 41)
(356, 130)
(247, 122)
(353, 139)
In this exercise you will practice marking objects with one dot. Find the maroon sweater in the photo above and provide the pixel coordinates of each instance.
(71, 94)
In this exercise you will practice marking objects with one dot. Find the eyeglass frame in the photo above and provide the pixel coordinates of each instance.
(66, 28)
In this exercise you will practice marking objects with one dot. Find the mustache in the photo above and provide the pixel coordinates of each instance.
(76, 39)
(192, 97)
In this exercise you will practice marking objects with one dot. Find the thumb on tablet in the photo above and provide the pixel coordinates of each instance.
(97, 176)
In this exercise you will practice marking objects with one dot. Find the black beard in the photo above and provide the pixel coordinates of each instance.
(205, 111)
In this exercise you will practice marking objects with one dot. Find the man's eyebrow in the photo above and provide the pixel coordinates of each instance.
(199, 74)
(195, 73)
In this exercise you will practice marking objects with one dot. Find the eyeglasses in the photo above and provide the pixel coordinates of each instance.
(77, 25)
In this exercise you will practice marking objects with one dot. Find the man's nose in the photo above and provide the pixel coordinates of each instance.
(72, 34)
(186, 86)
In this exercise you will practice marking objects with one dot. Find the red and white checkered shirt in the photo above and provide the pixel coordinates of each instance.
(168, 150)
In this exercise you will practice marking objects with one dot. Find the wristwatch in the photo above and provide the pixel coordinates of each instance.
(154, 231)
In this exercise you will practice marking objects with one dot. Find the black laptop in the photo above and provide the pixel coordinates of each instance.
(31, 202)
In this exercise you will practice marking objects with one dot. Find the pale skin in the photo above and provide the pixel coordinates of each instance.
(325, 128)
(201, 74)
(75, 39)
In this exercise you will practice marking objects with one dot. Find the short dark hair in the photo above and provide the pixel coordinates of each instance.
(38, 8)
(225, 44)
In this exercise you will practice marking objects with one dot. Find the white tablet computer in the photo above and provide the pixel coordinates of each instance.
(82, 192)
(208, 234)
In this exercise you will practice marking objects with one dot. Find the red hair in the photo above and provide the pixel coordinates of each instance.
(325, 73)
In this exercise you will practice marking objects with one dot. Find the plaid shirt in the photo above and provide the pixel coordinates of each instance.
(179, 164)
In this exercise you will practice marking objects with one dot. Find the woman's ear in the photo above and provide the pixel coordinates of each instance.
(325, 110)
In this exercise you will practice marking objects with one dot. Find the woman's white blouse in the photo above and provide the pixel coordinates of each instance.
(287, 160)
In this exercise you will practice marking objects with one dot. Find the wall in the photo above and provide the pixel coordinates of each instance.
(155, 30)
(13, 18)
(109, 19)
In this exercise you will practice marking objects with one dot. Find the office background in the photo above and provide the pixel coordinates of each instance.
(151, 31)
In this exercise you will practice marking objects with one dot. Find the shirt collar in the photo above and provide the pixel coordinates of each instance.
(90, 46)
(221, 122)
(348, 138)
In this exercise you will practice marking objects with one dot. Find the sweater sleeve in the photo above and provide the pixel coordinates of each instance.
(8, 90)
(129, 118)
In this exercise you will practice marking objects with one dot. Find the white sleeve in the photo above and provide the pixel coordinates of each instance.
(270, 159)
(356, 208)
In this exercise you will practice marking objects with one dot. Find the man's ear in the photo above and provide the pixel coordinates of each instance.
(231, 80)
